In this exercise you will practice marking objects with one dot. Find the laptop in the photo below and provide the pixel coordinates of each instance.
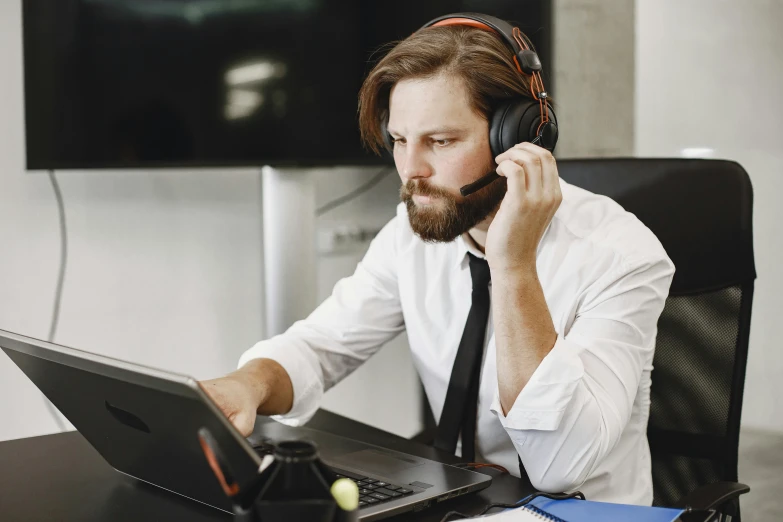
(144, 422)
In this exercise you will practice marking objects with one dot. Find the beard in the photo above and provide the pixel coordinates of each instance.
(449, 216)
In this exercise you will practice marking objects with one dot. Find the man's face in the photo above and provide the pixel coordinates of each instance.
(440, 145)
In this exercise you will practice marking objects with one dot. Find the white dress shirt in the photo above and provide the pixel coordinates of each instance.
(581, 420)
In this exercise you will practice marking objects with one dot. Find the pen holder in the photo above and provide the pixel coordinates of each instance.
(295, 486)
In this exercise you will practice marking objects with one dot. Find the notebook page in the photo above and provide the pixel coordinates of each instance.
(522, 514)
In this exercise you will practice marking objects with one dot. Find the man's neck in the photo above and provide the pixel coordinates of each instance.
(479, 233)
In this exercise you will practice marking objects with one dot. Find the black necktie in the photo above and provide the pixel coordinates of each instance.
(461, 405)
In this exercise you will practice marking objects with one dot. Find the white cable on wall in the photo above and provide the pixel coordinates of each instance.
(58, 295)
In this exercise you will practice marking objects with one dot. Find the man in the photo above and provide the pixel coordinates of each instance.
(576, 286)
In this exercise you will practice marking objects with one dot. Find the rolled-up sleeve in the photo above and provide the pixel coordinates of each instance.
(577, 403)
(359, 317)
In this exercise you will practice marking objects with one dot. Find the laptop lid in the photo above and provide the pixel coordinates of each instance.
(144, 422)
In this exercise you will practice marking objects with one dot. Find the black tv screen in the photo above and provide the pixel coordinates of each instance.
(157, 83)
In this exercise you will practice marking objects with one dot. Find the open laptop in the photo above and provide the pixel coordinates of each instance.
(144, 422)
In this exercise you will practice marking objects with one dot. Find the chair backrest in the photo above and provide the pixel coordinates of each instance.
(701, 211)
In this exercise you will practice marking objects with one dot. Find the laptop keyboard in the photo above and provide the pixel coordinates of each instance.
(373, 491)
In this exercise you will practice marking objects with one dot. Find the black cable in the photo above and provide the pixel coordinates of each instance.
(523, 502)
(58, 294)
(355, 193)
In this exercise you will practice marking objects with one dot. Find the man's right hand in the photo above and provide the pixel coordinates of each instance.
(234, 398)
(261, 386)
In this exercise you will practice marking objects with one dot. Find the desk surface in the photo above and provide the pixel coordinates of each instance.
(61, 477)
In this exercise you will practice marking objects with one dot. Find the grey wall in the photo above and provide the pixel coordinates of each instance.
(594, 77)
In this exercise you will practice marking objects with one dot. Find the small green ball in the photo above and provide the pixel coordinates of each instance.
(346, 493)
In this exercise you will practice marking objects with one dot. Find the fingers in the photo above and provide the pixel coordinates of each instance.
(531, 169)
(523, 165)
(244, 423)
(515, 174)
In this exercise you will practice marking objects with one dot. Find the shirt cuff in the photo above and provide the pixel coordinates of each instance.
(543, 401)
(308, 389)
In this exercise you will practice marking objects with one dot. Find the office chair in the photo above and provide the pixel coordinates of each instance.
(701, 211)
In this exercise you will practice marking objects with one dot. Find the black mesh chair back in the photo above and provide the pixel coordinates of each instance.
(701, 211)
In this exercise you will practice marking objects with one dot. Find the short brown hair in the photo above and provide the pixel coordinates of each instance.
(482, 59)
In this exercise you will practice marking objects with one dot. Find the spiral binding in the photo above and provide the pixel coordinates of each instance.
(541, 514)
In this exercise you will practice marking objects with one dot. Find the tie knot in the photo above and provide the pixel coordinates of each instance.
(479, 271)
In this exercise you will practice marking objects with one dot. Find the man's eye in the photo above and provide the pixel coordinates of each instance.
(443, 142)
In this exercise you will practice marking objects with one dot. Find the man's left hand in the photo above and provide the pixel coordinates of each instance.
(531, 201)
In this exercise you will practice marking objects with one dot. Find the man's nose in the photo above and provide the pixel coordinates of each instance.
(414, 164)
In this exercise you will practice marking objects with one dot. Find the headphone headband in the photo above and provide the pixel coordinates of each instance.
(525, 59)
(482, 21)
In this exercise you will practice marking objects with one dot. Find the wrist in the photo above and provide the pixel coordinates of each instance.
(270, 385)
(256, 376)
(523, 273)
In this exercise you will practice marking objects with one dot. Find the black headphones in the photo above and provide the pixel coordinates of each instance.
(517, 119)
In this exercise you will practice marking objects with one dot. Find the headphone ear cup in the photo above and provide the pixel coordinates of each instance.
(517, 120)
(496, 143)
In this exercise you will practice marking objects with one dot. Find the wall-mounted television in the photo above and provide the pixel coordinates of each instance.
(183, 83)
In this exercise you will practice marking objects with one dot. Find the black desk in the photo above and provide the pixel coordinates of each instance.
(62, 478)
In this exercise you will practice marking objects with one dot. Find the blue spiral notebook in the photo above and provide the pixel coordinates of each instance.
(575, 510)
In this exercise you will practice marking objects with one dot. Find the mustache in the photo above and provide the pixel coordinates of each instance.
(422, 188)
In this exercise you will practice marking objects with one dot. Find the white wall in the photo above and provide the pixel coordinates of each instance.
(709, 74)
(164, 267)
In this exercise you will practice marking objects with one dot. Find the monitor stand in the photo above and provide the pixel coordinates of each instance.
(289, 247)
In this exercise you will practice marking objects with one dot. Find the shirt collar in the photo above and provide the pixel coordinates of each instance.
(465, 245)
